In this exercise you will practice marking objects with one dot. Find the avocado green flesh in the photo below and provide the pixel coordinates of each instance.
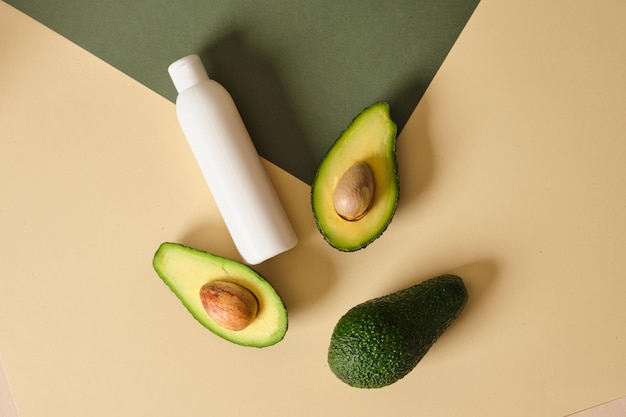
(370, 138)
(185, 270)
(380, 341)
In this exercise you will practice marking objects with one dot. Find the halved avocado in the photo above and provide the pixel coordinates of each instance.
(188, 272)
(366, 206)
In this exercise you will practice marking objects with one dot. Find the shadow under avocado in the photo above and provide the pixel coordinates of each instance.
(262, 102)
(213, 237)
(302, 276)
(479, 278)
(416, 164)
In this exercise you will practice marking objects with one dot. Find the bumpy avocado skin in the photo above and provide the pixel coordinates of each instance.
(380, 341)
(379, 151)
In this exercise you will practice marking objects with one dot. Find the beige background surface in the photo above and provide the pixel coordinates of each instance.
(512, 175)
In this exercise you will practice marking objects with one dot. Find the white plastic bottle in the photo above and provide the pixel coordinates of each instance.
(230, 164)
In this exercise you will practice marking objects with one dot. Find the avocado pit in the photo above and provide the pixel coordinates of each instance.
(230, 305)
(354, 192)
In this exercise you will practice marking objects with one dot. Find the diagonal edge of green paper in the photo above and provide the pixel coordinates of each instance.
(299, 71)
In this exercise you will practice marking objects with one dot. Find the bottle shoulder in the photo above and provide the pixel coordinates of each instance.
(208, 96)
(206, 89)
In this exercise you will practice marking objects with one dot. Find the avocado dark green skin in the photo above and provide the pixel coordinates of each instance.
(380, 341)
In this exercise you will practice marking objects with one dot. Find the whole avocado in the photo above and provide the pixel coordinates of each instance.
(380, 341)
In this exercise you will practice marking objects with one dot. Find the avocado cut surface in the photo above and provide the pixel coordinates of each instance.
(366, 148)
(187, 270)
(380, 341)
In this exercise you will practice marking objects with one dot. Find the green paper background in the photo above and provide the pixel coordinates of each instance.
(298, 70)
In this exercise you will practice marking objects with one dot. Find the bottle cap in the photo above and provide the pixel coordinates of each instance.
(187, 72)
